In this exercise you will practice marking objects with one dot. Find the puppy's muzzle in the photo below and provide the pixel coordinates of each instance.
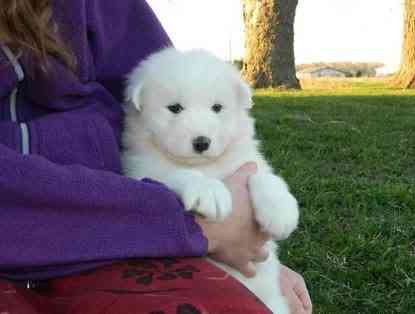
(201, 144)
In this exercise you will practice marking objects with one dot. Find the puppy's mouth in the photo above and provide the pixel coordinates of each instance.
(187, 160)
(199, 159)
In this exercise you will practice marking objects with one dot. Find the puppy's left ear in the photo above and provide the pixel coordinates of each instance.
(133, 95)
(244, 93)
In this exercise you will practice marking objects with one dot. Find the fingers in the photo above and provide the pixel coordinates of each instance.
(261, 255)
(247, 168)
(244, 172)
(293, 287)
(302, 292)
(263, 237)
(248, 270)
(295, 304)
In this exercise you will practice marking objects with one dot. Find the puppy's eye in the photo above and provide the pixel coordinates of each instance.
(175, 108)
(217, 108)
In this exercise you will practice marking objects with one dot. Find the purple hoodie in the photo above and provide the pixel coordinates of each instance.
(64, 207)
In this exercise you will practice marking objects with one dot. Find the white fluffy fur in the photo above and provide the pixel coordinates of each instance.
(158, 145)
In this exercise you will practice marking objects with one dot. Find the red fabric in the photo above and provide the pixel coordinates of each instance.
(147, 286)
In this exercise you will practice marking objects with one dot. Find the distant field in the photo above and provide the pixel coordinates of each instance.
(347, 149)
(341, 83)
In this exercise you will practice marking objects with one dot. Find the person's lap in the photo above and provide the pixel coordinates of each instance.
(153, 286)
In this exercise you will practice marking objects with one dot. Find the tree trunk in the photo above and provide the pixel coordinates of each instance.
(406, 75)
(269, 33)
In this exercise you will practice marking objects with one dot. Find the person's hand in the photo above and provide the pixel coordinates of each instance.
(237, 241)
(295, 290)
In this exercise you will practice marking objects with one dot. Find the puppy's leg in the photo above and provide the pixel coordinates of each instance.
(204, 195)
(276, 209)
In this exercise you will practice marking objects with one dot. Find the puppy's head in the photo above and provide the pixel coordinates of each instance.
(191, 105)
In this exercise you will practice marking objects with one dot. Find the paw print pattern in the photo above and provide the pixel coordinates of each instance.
(187, 309)
(145, 272)
(182, 309)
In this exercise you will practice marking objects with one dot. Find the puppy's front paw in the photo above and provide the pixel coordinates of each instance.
(209, 197)
(276, 209)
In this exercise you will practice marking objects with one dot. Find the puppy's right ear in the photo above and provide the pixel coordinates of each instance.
(133, 95)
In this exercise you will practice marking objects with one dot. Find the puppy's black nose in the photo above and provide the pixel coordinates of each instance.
(201, 144)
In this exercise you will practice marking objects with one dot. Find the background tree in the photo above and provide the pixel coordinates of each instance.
(269, 40)
(406, 75)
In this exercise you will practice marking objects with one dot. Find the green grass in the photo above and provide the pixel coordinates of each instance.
(349, 157)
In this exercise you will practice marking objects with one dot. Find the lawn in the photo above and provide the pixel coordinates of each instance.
(347, 150)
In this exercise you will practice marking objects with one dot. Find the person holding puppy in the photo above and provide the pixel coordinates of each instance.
(72, 225)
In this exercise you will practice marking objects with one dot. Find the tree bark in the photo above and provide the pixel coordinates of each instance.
(406, 75)
(269, 33)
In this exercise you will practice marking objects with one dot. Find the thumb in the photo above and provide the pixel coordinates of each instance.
(247, 270)
(244, 172)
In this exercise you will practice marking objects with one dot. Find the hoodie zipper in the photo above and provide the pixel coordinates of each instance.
(13, 109)
(24, 130)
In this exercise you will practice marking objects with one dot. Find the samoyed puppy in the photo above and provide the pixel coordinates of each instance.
(188, 126)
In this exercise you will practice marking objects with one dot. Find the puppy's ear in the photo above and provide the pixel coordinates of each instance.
(244, 93)
(133, 95)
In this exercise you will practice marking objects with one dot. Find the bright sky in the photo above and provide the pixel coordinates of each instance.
(326, 30)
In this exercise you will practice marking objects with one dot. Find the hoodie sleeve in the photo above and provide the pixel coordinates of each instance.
(61, 215)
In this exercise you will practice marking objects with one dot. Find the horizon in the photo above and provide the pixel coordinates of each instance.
(374, 36)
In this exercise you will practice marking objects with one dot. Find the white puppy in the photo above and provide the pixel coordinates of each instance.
(189, 128)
